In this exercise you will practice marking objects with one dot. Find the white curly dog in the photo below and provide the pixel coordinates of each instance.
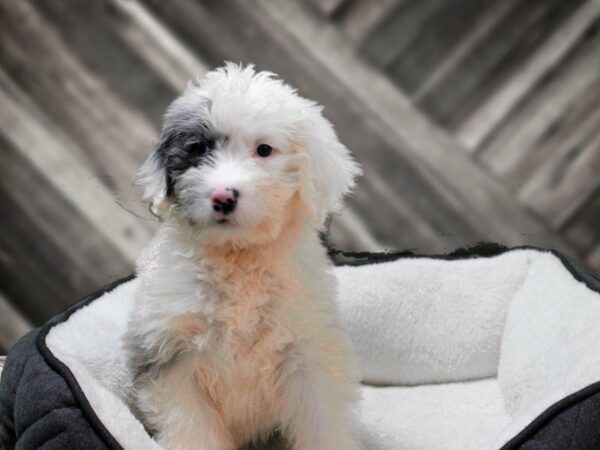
(235, 331)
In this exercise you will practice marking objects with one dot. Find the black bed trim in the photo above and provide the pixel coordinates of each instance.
(549, 414)
(565, 403)
(479, 250)
(482, 250)
(66, 373)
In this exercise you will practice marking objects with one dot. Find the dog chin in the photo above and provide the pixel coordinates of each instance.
(231, 232)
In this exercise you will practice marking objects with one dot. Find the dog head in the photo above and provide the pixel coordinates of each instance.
(241, 154)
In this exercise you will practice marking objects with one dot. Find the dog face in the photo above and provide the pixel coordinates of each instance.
(241, 154)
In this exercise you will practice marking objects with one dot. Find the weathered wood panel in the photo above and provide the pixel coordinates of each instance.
(481, 27)
(349, 231)
(12, 326)
(583, 228)
(568, 179)
(516, 80)
(514, 84)
(407, 230)
(93, 32)
(465, 189)
(328, 7)
(593, 260)
(115, 137)
(156, 45)
(437, 37)
(534, 131)
(499, 54)
(483, 121)
(28, 131)
(48, 261)
(548, 146)
(357, 17)
(397, 30)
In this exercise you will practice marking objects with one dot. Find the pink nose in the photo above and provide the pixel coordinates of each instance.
(224, 199)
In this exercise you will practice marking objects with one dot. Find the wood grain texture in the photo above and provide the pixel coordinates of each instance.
(328, 7)
(51, 255)
(474, 197)
(568, 180)
(397, 30)
(157, 46)
(94, 33)
(593, 260)
(553, 115)
(56, 158)
(473, 119)
(116, 138)
(438, 36)
(501, 53)
(12, 326)
(349, 231)
(483, 121)
(358, 17)
(582, 228)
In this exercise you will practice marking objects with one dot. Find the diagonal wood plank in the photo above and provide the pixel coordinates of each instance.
(112, 136)
(12, 325)
(57, 160)
(452, 47)
(568, 180)
(358, 17)
(496, 57)
(167, 56)
(484, 119)
(594, 261)
(438, 36)
(442, 203)
(396, 31)
(91, 32)
(483, 201)
(408, 229)
(549, 120)
(349, 232)
(582, 229)
(328, 7)
(44, 238)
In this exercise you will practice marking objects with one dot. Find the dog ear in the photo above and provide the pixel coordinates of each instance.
(330, 172)
(153, 177)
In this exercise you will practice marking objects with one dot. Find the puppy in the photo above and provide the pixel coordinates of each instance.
(235, 332)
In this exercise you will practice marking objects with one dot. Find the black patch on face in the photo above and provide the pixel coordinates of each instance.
(182, 146)
(191, 153)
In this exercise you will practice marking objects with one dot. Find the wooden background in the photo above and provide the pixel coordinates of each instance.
(473, 119)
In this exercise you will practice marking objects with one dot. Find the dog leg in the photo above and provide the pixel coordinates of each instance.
(182, 414)
(318, 410)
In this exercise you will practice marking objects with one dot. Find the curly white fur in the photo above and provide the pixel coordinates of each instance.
(235, 332)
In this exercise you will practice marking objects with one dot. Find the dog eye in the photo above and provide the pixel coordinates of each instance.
(264, 150)
(197, 148)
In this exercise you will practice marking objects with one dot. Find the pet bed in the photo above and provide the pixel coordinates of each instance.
(457, 352)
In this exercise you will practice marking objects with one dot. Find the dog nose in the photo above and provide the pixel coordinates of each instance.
(224, 199)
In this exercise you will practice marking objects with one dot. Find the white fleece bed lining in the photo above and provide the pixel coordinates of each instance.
(474, 349)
